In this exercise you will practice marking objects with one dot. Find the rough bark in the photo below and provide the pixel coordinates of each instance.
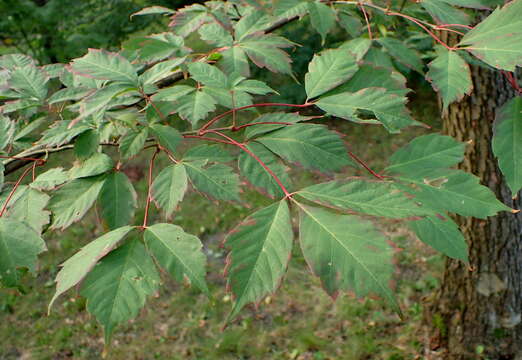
(479, 306)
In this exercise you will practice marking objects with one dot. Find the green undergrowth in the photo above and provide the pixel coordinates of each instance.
(299, 322)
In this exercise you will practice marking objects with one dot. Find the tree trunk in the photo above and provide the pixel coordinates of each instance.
(478, 307)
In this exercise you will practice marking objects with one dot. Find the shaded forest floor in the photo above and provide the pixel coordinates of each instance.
(300, 322)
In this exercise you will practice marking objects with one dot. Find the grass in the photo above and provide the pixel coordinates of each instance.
(299, 322)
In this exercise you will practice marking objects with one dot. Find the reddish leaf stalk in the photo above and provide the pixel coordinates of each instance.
(39, 161)
(149, 192)
(512, 81)
(207, 138)
(443, 26)
(237, 128)
(204, 128)
(368, 26)
(267, 169)
(4, 208)
(363, 164)
(149, 101)
(424, 27)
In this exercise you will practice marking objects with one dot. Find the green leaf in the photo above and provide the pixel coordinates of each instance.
(346, 253)
(217, 181)
(167, 136)
(50, 179)
(78, 266)
(259, 176)
(368, 197)
(116, 289)
(178, 253)
(278, 117)
(402, 53)
(260, 250)
(97, 164)
(373, 76)
(132, 142)
(117, 200)
(444, 13)
(153, 10)
(211, 153)
(7, 128)
(253, 22)
(357, 47)
(208, 75)
(160, 71)
(29, 209)
(86, 144)
(195, 106)
(73, 200)
(312, 146)
(169, 187)
(189, 19)
(450, 75)
(11, 61)
(235, 61)
(387, 107)
(287, 9)
(215, 34)
(68, 94)
(254, 87)
(327, 70)
(457, 192)
(19, 248)
(172, 93)
(265, 51)
(507, 142)
(102, 98)
(60, 133)
(30, 82)
(322, 18)
(442, 235)
(104, 65)
(425, 153)
(498, 39)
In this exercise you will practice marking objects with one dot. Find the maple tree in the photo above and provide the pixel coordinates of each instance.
(157, 94)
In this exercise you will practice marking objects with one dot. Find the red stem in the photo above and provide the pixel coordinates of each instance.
(267, 169)
(368, 26)
(512, 81)
(237, 128)
(363, 164)
(412, 19)
(4, 208)
(456, 25)
(204, 128)
(40, 161)
(207, 138)
(149, 196)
